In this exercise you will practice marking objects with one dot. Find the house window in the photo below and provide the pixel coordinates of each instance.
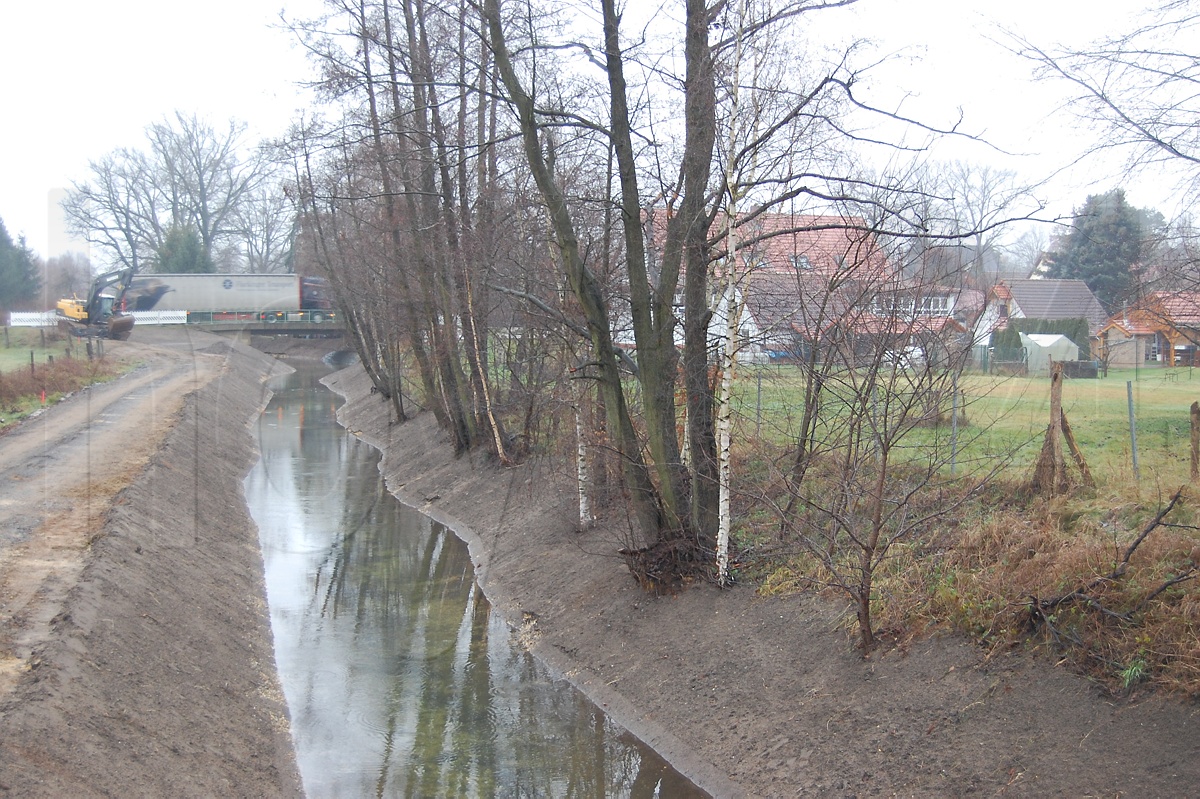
(801, 262)
(891, 306)
(935, 306)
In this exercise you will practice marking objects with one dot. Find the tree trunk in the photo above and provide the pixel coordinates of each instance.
(643, 495)
(693, 226)
(1050, 474)
(652, 312)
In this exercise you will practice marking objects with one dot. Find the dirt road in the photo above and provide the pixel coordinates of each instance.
(135, 649)
(59, 474)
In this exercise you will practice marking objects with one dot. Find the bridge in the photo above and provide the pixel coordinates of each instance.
(257, 323)
(319, 322)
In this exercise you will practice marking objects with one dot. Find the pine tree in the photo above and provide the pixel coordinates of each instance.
(20, 273)
(183, 251)
(1102, 248)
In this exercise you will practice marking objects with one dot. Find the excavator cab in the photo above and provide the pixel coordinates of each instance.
(100, 316)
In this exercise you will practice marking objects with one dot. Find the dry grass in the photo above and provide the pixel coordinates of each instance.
(22, 390)
(983, 571)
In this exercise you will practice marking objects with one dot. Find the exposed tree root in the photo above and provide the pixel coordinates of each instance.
(668, 564)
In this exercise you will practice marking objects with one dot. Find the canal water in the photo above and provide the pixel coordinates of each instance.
(399, 679)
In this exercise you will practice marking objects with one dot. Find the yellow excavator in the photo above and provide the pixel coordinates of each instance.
(101, 314)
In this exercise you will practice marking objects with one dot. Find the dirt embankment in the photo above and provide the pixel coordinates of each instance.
(142, 658)
(142, 662)
(755, 697)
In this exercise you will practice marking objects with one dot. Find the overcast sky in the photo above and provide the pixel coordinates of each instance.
(83, 78)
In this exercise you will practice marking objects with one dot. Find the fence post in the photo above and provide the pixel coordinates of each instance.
(758, 404)
(954, 426)
(1132, 429)
(32, 373)
(1195, 441)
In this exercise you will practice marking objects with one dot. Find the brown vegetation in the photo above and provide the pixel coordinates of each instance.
(50, 380)
(1101, 582)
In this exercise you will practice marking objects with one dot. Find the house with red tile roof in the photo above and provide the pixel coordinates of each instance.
(804, 280)
(819, 247)
(1164, 328)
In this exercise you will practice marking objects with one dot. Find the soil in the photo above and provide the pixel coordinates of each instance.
(135, 647)
(134, 635)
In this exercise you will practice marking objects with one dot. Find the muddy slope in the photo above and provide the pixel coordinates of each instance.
(157, 678)
(755, 697)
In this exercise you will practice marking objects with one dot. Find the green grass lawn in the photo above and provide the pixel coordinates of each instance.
(1007, 418)
(19, 342)
(1098, 411)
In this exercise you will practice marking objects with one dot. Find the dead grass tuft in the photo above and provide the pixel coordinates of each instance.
(21, 390)
(982, 572)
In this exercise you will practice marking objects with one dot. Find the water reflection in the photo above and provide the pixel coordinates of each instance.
(399, 679)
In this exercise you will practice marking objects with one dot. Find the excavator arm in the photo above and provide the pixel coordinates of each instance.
(100, 314)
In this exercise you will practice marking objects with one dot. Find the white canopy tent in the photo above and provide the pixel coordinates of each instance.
(1041, 349)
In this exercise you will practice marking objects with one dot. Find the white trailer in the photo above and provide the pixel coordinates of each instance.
(214, 293)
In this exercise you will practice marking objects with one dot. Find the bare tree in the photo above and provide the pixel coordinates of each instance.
(266, 225)
(786, 148)
(882, 424)
(69, 274)
(1140, 87)
(1029, 249)
(418, 130)
(117, 210)
(191, 178)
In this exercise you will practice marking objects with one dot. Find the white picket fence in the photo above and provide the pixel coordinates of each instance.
(160, 317)
(32, 319)
(50, 319)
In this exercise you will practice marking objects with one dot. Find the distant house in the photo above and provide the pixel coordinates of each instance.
(1040, 299)
(798, 275)
(816, 280)
(1162, 328)
(785, 314)
(818, 247)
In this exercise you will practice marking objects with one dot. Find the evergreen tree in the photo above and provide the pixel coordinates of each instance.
(1104, 244)
(20, 273)
(182, 251)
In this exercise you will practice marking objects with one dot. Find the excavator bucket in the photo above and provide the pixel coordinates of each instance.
(119, 327)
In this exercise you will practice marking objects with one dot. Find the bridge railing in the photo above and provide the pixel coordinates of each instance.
(50, 318)
(160, 317)
(316, 317)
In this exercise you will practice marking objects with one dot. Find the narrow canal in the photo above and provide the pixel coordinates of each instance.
(399, 679)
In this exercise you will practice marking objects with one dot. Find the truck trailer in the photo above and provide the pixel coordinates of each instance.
(233, 297)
